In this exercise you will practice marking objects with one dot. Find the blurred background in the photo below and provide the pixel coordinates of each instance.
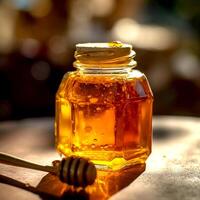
(37, 40)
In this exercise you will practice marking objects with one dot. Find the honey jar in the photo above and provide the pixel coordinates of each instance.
(104, 108)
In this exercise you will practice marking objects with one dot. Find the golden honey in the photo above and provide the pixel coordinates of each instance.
(104, 108)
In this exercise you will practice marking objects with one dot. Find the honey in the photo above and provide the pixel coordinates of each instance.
(104, 108)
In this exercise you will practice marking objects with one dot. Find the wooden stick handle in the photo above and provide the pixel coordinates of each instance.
(12, 160)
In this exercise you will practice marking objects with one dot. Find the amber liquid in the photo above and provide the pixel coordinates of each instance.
(106, 118)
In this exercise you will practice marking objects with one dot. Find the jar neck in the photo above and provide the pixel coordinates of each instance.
(100, 70)
(104, 68)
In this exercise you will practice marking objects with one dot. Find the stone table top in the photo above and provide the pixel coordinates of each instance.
(172, 170)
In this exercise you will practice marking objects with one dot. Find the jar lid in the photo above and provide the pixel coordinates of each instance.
(103, 51)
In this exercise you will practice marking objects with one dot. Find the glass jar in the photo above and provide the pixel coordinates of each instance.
(104, 108)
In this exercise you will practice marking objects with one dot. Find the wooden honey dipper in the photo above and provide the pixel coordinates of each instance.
(74, 171)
